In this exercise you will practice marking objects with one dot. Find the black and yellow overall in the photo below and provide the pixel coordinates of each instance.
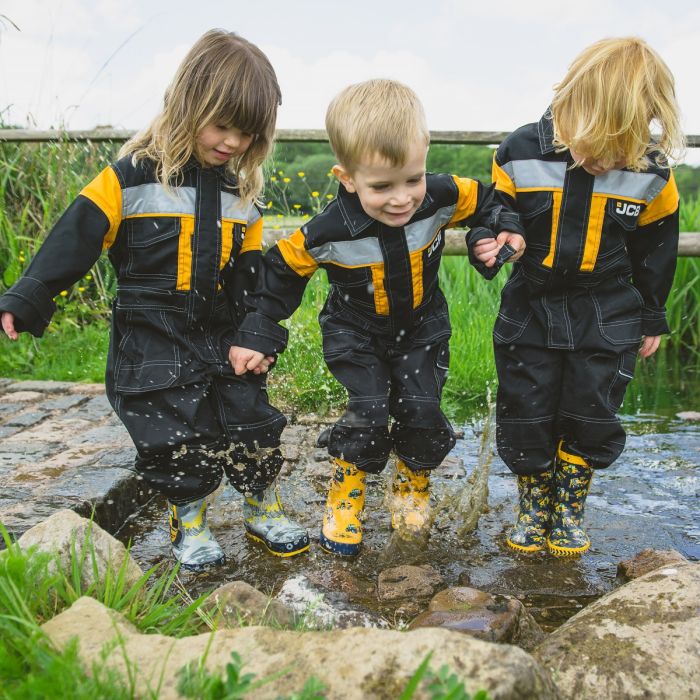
(385, 323)
(598, 267)
(184, 257)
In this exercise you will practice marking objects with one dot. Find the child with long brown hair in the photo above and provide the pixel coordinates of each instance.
(177, 215)
(592, 181)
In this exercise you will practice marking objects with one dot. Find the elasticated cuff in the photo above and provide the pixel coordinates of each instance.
(30, 302)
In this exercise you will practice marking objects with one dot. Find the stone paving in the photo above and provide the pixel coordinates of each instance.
(62, 446)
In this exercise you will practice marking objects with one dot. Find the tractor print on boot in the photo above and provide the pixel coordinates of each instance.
(529, 534)
(572, 481)
(410, 504)
(192, 543)
(341, 532)
(266, 522)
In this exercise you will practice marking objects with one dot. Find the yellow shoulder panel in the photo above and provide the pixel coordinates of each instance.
(665, 203)
(106, 193)
(466, 198)
(296, 256)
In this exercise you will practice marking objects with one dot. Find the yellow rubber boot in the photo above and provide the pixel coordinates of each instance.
(341, 532)
(572, 480)
(410, 507)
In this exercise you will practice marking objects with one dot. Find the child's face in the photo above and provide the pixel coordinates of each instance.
(388, 193)
(596, 166)
(217, 144)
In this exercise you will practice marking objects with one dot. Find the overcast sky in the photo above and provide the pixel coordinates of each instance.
(476, 65)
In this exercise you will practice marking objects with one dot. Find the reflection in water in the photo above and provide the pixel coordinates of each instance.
(649, 498)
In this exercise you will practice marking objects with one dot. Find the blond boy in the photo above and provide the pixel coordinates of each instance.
(385, 322)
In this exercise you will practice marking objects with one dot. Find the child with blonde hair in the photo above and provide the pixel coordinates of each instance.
(385, 323)
(592, 181)
(177, 215)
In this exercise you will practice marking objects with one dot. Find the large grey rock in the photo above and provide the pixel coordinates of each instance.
(354, 664)
(64, 530)
(640, 641)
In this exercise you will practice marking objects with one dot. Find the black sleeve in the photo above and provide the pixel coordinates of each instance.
(69, 251)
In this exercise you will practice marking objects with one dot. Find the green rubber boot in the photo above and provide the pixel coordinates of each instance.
(192, 543)
(529, 534)
(266, 522)
(572, 480)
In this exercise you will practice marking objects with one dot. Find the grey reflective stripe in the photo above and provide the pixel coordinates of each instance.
(620, 183)
(366, 251)
(154, 199)
(421, 233)
(529, 174)
(233, 208)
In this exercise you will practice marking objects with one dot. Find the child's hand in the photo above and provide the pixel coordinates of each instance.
(650, 344)
(486, 250)
(243, 360)
(515, 241)
(8, 325)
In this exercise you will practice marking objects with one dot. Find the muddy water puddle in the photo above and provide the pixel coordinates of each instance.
(649, 498)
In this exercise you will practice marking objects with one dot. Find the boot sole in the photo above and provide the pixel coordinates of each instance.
(521, 548)
(344, 550)
(270, 547)
(199, 568)
(566, 551)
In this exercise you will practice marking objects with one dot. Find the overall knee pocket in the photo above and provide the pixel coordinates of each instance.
(422, 448)
(182, 474)
(367, 448)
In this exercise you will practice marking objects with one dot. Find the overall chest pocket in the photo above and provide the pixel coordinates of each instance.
(153, 248)
(623, 213)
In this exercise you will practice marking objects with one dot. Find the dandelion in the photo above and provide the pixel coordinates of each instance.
(297, 206)
(280, 172)
(301, 174)
(88, 277)
(269, 205)
(64, 293)
(81, 289)
(286, 180)
(305, 216)
(273, 179)
(279, 216)
(314, 194)
(329, 196)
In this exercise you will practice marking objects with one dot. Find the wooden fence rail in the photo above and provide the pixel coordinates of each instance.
(689, 245)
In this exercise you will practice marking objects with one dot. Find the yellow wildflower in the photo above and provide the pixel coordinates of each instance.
(314, 194)
(286, 180)
(297, 206)
(301, 174)
(273, 179)
(64, 293)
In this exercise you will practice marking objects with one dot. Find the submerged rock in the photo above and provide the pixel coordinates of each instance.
(647, 560)
(408, 582)
(493, 618)
(640, 641)
(237, 603)
(353, 664)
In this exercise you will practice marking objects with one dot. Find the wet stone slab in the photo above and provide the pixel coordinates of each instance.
(62, 447)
